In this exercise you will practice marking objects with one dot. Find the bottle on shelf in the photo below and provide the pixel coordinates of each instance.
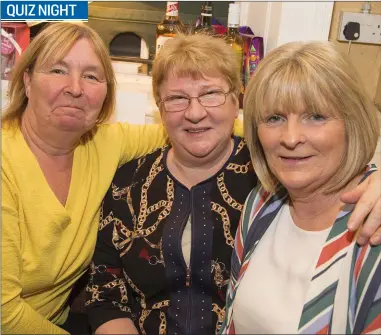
(234, 39)
(168, 28)
(205, 25)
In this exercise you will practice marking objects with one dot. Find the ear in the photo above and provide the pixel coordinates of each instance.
(27, 80)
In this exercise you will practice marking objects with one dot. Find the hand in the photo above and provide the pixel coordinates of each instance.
(118, 326)
(367, 197)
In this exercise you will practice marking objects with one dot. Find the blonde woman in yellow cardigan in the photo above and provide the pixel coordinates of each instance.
(58, 159)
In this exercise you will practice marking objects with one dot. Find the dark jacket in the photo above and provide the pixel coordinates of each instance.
(138, 269)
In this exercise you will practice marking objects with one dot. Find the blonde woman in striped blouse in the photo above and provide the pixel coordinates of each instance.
(296, 268)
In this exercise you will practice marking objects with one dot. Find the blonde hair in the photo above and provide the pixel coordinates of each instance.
(316, 76)
(50, 46)
(197, 56)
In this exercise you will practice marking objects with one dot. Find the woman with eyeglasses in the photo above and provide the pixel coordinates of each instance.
(166, 235)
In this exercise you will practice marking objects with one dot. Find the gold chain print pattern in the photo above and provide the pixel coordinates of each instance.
(135, 288)
(163, 323)
(220, 316)
(95, 294)
(148, 200)
(239, 147)
(218, 269)
(225, 193)
(142, 318)
(155, 169)
(140, 232)
(225, 223)
(237, 168)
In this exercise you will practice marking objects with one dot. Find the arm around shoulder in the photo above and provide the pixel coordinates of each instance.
(139, 140)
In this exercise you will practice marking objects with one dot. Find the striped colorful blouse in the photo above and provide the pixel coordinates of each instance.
(344, 296)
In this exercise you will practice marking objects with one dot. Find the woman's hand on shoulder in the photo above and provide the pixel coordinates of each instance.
(367, 214)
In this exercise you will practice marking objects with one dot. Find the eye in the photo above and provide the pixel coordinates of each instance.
(57, 71)
(272, 119)
(317, 117)
(211, 94)
(175, 97)
(91, 77)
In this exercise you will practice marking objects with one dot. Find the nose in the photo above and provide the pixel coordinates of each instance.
(74, 87)
(292, 134)
(195, 112)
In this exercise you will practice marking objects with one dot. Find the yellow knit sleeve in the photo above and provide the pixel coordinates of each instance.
(238, 128)
(139, 140)
(17, 317)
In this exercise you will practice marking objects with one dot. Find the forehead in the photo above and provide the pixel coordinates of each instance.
(176, 82)
(80, 53)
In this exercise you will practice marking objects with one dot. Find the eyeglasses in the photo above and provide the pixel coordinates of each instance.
(179, 103)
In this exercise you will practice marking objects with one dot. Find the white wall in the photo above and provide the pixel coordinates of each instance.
(282, 22)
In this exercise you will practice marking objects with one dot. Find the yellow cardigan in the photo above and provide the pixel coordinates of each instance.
(46, 247)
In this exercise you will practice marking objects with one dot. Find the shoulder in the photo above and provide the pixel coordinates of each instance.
(9, 135)
(241, 151)
(139, 167)
(261, 203)
(109, 131)
(238, 171)
(239, 160)
(14, 149)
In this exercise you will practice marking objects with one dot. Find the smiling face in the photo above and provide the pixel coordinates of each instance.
(198, 132)
(68, 95)
(303, 150)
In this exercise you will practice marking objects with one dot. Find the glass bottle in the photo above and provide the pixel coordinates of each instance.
(233, 38)
(168, 28)
(205, 25)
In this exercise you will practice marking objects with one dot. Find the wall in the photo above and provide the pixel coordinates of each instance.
(365, 57)
(280, 22)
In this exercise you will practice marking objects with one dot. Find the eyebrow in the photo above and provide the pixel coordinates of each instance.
(202, 87)
(87, 67)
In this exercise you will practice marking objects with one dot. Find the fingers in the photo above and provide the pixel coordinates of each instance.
(351, 197)
(371, 229)
(376, 238)
(368, 204)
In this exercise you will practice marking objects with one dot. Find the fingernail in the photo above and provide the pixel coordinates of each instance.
(350, 226)
(362, 240)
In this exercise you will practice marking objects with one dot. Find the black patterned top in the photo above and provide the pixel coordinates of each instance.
(138, 269)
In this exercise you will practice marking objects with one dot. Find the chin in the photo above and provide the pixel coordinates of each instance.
(199, 151)
(303, 184)
(295, 181)
(71, 127)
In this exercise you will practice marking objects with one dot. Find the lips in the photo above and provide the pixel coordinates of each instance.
(72, 107)
(295, 159)
(197, 130)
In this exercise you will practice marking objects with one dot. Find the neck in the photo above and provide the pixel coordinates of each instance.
(317, 210)
(314, 212)
(191, 171)
(44, 140)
